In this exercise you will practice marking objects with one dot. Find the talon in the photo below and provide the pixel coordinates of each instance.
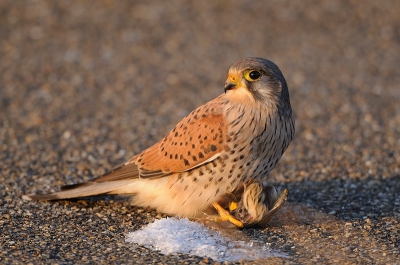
(233, 206)
(226, 216)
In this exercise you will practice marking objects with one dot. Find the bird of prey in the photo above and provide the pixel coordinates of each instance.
(233, 140)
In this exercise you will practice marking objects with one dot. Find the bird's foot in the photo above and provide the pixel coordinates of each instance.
(224, 215)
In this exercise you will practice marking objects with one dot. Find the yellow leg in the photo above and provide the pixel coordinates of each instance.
(226, 216)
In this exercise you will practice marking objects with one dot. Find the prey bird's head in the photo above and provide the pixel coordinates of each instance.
(257, 80)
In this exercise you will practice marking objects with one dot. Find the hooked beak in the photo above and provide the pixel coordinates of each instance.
(229, 86)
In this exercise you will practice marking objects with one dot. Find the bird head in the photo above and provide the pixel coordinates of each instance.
(256, 80)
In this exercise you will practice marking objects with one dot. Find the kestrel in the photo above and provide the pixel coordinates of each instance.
(233, 140)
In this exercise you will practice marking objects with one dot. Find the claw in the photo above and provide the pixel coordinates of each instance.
(226, 216)
(233, 206)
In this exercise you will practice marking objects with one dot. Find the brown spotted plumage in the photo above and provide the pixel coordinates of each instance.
(232, 140)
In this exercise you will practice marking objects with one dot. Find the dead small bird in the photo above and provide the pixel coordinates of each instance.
(258, 204)
(250, 205)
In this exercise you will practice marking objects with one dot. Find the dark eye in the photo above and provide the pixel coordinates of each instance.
(254, 75)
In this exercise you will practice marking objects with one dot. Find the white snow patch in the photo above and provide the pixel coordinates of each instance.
(171, 235)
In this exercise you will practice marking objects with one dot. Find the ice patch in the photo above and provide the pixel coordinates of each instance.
(171, 235)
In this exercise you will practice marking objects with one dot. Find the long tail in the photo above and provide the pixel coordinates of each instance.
(113, 182)
(81, 190)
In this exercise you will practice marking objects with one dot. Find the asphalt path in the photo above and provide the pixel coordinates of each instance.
(85, 85)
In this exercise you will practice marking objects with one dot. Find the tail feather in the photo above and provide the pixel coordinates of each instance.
(81, 190)
(75, 186)
(113, 182)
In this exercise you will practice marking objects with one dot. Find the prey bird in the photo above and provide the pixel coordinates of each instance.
(258, 204)
(231, 141)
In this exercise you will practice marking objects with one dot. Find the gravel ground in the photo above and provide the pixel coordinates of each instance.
(86, 85)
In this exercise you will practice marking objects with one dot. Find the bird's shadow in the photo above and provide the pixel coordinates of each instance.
(348, 199)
